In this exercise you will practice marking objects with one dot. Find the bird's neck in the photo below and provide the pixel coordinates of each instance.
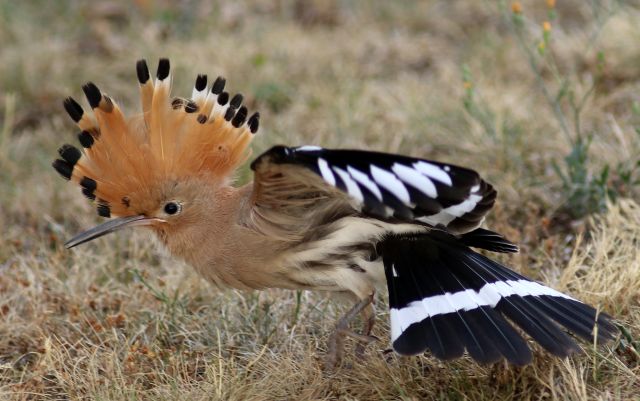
(221, 246)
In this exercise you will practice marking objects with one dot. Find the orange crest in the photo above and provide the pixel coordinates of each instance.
(124, 160)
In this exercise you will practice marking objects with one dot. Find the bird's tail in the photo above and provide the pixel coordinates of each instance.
(445, 297)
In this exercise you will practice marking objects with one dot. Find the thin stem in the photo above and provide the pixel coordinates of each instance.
(555, 105)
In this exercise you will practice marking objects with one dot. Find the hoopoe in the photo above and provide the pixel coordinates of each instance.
(344, 221)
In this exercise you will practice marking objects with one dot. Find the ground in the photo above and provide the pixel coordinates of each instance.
(540, 98)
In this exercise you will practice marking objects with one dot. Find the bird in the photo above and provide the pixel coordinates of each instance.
(349, 222)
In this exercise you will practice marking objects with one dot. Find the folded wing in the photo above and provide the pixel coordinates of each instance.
(387, 186)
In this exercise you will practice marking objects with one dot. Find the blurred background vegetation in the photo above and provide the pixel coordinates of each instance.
(540, 96)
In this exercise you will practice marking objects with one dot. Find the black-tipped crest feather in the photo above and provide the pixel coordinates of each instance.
(254, 122)
(88, 183)
(163, 69)
(190, 106)
(201, 82)
(240, 117)
(70, 154)
(218, 86)
(92, 93)
(223, 98)
(142, 70)
(120, 153)
(89, 186)
(73, 109)
(177, 103)
(86, 139)
(236, 101)
(103, 210)
(63, 168)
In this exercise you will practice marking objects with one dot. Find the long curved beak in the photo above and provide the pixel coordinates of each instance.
(109, 227)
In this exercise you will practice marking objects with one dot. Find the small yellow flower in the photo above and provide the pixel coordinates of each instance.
(467, 85)
(546, 26)
(516, 7)
(541, 47)
(551, 3)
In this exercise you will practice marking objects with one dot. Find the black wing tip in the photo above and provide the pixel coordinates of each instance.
(607, 328)
(142, 70)
(73, 109)
(444, 337)
(164, 66)
(404, 347)
(92, 93)
(488, 240)
(201, 82)
(277, 154)
(546, 316)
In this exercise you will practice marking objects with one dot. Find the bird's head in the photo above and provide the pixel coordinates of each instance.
(163, 167)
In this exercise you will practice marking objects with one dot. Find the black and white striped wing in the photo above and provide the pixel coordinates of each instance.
(446, 298)
(386, 185)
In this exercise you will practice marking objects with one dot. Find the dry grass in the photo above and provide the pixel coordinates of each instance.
(119, 320)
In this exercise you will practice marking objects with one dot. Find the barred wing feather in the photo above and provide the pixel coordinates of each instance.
(386, 186)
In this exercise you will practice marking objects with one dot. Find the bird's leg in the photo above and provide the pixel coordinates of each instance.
(369, 316)
(336, 340)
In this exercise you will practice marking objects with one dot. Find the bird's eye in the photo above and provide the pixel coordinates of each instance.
(171, 208)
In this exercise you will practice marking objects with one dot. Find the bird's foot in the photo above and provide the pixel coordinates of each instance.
(336, 340)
